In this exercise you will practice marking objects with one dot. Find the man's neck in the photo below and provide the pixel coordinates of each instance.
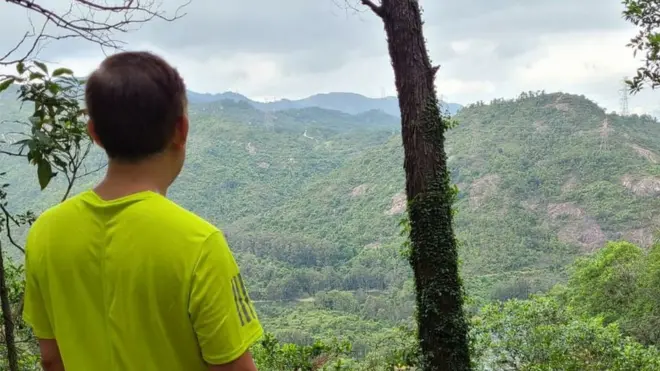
(124, 179)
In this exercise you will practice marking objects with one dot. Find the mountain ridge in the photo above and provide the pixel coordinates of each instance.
(351, 103)
(346, 102)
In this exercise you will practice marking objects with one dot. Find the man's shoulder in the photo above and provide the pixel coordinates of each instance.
(56, 212)
(167, 211)
(159, 209)
(48, 224)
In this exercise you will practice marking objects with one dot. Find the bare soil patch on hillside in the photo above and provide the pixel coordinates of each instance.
(647, 154)
(399, 204)
(647, 186)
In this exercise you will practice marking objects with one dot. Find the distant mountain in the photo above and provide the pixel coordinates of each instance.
(195, 97)
(350, 103)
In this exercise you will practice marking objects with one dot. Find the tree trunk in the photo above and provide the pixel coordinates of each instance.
(10, 342)
(442, 326)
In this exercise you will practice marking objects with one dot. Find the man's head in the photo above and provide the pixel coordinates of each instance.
(137, 108)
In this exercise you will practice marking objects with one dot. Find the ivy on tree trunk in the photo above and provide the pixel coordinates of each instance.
(442, 327)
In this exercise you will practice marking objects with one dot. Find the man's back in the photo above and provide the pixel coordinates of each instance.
(135, 283)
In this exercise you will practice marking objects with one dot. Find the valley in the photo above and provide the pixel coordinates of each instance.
(311, 200)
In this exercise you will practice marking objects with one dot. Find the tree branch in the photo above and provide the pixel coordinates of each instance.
(92, 171)
(92, 20)
(11, 153)
(378, 10)
(434, 71)
(9, 218)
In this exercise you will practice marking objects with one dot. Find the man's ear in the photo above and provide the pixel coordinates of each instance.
(92, 133)
(181, 132)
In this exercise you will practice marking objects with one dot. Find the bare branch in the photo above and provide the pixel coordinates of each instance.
(96, 170)
(377, 9)
(434, 71)
(35, 44)
(11, 153)
(9, 218)
(18, 45)
(91, 20)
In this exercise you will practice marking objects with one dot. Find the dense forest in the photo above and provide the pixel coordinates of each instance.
(311, 201)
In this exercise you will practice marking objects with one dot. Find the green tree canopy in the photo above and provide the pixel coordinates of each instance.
(645, 14)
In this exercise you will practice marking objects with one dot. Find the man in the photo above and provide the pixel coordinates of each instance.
(119, 278)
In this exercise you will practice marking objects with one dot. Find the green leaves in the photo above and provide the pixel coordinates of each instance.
(57, 139)
(270, 354)
(644, 15)
(36, 76)
(41, 66)
(543, 334)
(44, 173)
(5, 84)
(62, 71)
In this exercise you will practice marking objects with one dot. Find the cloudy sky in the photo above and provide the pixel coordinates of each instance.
(269, 49)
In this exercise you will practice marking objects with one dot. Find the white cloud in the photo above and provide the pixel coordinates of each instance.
(295, 48)
(638, 110)
(572, 59)
(473, 47)
(455, 87)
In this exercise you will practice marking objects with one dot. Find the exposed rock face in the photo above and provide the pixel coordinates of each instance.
(578, 229)
(647, 186)
(647, 154)
(399, 204)
(585, 233)
(565, 209)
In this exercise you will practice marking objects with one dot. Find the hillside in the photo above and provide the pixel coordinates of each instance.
(541, 180)
(311, 201)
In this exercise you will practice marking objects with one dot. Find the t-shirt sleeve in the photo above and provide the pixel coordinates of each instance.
(34, 309)
(222, 315)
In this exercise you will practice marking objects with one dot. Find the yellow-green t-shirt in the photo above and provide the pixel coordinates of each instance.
(136, 283)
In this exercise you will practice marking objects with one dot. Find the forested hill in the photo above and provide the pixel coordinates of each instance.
(311, 200)
(541, 179)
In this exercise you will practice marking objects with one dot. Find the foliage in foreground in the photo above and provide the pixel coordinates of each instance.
(621, 284)
(543, 334)
(269, 354)
(605, 317)
(644, 15)
(28, 359)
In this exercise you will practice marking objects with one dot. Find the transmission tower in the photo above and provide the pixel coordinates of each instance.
(623, 99)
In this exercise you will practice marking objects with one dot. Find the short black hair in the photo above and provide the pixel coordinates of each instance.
(134, 100)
